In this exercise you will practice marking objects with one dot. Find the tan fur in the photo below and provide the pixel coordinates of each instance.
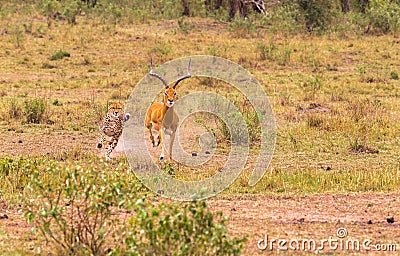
(158, 117)
(161, 116)
(112, 127)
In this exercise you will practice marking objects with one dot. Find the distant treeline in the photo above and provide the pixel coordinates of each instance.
(293, 16)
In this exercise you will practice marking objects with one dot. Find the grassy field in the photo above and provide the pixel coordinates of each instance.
(336, 100)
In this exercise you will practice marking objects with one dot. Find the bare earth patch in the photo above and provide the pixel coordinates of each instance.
(18, 144)
(318, 217)
(364, 216)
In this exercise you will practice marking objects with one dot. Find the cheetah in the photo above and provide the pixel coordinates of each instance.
(112, 127)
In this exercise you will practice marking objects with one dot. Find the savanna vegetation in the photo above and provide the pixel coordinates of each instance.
(331, 72)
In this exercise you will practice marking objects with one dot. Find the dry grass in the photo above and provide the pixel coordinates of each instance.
(335, 101)
(327, 108)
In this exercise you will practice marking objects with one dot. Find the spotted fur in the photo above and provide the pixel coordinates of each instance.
(111, 129)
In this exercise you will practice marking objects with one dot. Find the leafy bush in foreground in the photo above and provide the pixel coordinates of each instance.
(84, 210)
(74, 210)
(174, 229)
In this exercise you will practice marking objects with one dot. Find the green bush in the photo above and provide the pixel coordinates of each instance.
(80, 209)
(286, 18)
(318, 15)
(394, 75)
(73, 209)
(384, 16)
(33, 111)
(60, 55)
(174, 229)
(169, 169)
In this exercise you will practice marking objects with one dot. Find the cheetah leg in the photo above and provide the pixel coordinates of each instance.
(111, 146)
(101, 142)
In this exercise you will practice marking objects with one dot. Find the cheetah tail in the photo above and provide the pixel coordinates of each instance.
(126, 117)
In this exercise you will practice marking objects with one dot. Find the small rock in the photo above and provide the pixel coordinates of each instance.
(390, 220)
(301, 220)
(194, 154)
(4, 216)
(328, 168)
(369, 222)
(20, 141)
(207, 152)
(233, 209)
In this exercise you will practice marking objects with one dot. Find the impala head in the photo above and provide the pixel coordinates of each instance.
(169, 92)
(169, 96)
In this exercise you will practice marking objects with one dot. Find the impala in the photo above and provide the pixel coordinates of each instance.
(162, 116)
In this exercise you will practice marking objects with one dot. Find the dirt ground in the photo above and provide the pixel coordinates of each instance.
(262, 219)
(318, 217)
(18, 144)
(364, 217)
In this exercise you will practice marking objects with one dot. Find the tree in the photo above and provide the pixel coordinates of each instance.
(345, 5)
(363, 5)
(90, 3)
(318, 14)
(186, 11)
(212, 5)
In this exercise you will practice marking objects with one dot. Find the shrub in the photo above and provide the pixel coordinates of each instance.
(242, 28)
(267, 51)
(14, 110)
(84, 210)
(185, 26)
(314, 121)
(169, 169)
(34, 110)
(394, 75)
(384, 16)
(73, 209)
(311, 86)
(285, 17)
(318, 15)
(60, 55)
(173, 229)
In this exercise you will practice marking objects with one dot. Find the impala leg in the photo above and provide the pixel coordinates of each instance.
(172, 138)
(152, 138)
(161, 138)
(149, 126)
